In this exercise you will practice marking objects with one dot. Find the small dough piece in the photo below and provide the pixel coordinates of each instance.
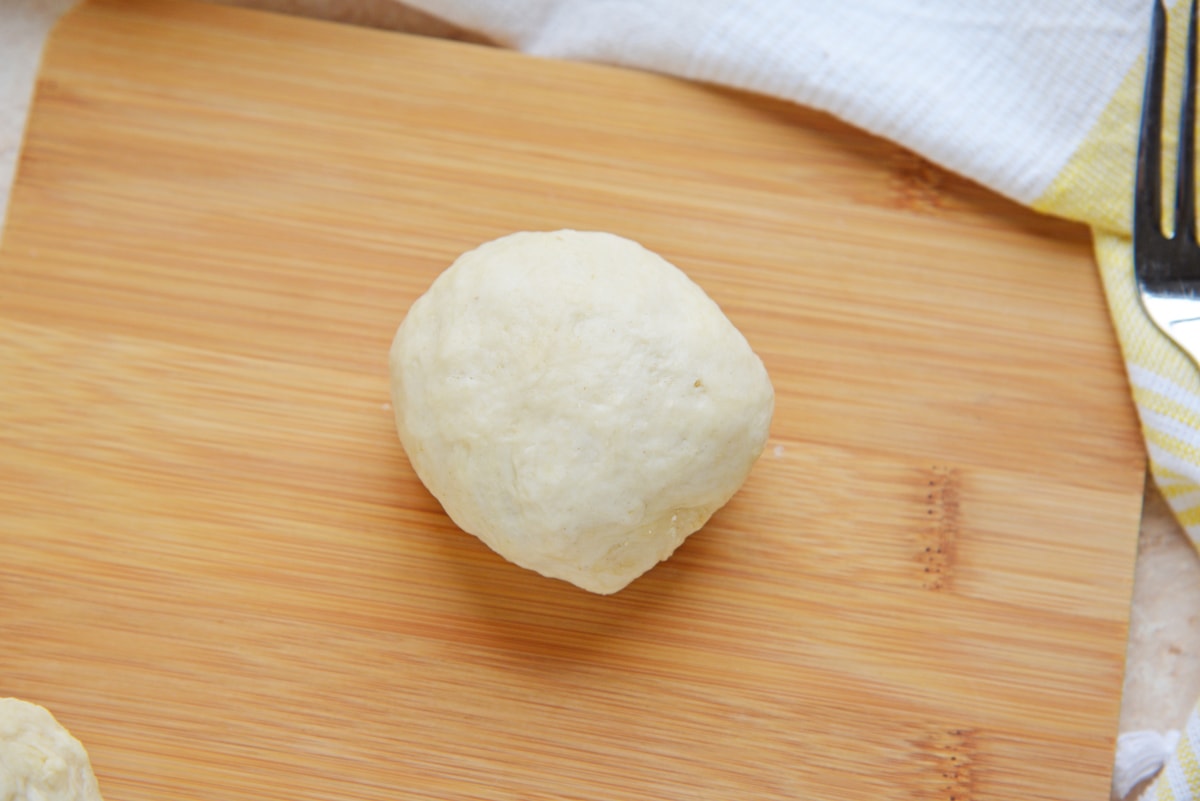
(577, 403)
(39, 759)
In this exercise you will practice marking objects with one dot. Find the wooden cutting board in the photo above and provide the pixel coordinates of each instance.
(218, 569)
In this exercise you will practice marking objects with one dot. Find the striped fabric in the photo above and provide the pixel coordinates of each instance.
(1180, 779)
(1096, 187)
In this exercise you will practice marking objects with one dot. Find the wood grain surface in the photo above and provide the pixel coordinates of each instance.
(218, 570)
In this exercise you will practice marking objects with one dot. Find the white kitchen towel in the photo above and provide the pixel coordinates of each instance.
(1035, 99)
(1002, 91)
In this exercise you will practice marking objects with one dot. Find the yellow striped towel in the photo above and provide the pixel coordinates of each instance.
(1096, 188)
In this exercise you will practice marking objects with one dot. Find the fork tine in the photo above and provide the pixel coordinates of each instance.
(1148, 190)
(1168, 268)
(1185, 168)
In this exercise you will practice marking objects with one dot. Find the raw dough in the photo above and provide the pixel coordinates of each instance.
(39, 759)
(577, 403)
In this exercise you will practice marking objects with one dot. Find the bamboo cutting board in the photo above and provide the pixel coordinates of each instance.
(219, 571)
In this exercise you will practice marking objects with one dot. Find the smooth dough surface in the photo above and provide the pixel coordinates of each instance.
(577, 403)
(39, 759)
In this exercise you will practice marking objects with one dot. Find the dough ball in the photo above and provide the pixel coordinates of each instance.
(577, 403)
(39, 759)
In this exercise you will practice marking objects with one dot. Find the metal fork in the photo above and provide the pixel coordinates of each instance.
(1168, 267)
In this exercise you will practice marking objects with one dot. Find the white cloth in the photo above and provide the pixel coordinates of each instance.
(1001, 91)
(1140, 755)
